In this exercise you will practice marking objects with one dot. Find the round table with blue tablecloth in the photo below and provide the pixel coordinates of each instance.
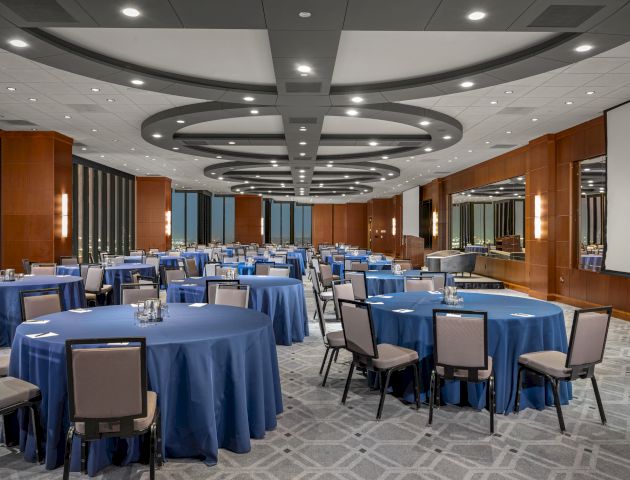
(165, 260)
(242, 268)
(115, 275)
(214, 369)
(291, 263)
(297, 261)
(279, 297)
(71, 291)
(385, 281)
(509, 336)
(201, 258)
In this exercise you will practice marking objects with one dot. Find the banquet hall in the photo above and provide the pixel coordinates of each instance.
(299, 239)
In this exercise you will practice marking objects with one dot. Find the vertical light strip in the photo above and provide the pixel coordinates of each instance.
(64, 215)
(435, 223)
(537, 217)
(393, 225)
(167, 226)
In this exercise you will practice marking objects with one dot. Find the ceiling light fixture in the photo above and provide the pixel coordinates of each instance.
(357, 99)
(352, 112)
(590, 92)
(11, 89)
(302, 154)
(302, 129)
(249, 99)
(111, 100)
(568, 102)
(534, 119)
(373, 143)
(181, 121)
(304, 14)
(231, 143)
(476, 15)
(130, 12)
(16, 42)
(493, 102)
(157, 135)
(32, 99)
(428, 149)
(137, 81)
(304, 69)
(425, 123)
(509, 92)
(254, 112)
(466, 84)
(446, 137)
(67, 117)
(583, 48)
(95, 89)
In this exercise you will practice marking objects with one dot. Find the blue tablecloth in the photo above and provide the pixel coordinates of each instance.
(296, 260)
(381, 282)
(380, 265)
(241, 267)
(302, 253)
(165, 260)
(214, 369)
(508, 337)
(70, 288)
(279, 297)
(293, 265)
(201, 258)
(114, 276)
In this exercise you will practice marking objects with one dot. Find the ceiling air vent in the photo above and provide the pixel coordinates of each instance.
(565, 16)
(303, 120)
(503, 145)
(303, 87)
(39, 11)
(19, 123)
(516, 111)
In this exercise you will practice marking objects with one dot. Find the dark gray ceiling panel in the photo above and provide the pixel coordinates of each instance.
(220, 13)
(617, 23)
(47, 13)
(600, 43)
(393, 15)
(153, 13)
(526, 68)
(324, 14)
(451, 15)
(303, 45)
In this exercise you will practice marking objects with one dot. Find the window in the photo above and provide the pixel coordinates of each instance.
(302, 221)
(222, 219)
(190, 217)
(178, 219)
(592, 205)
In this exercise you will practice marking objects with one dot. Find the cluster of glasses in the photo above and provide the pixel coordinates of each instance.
(374, 258)
(9, 275)
(230, 274)
(397, 269)
(451, 297)
(152, 310)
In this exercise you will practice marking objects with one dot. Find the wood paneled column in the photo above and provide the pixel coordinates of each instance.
(247, 213)
(35, 174)
(153, 209)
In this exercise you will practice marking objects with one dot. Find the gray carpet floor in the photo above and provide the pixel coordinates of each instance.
(318, 438)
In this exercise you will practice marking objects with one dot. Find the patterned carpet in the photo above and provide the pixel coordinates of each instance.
(317, 438)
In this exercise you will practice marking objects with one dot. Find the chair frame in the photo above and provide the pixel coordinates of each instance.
(359, 362)
(436, 378)
(365, 285)
(138, 286)
(43, 291)
(218, 281)
(63, 257)
(322, 327)
(33, 404)
(126, 423)
(577, 371)
(424, 274)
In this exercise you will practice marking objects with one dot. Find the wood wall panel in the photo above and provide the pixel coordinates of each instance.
(322, 227)
(339, 225)
(356, 224)
(153, 200)
(248, 212)
(380, 212)
(35, 170)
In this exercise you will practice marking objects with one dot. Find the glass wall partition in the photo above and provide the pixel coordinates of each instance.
(222, 219)
(287, 222)
(191, 212)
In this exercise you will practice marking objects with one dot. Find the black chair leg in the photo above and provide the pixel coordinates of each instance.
(384, 388)
(321, 369)
(432, 388)
(68, 453)
(556, 399)
(158, 448)
(152, 446)
(416, 385)
(336, 355)
(491, 402)
(348, 380)
(517, 403)
(600, 406)
(330, 360)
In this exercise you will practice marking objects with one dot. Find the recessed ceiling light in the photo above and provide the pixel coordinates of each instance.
(470, 151)
(373, 143)
(390, 174)
(534, 119)
(304, 68)
(275, 164)
(590, 92)
(111, 100)
(583, 48)
(157, 135)
(568, 102)
(487, 142)
(84, 148)
(509, 132)
(301, 176)
(32, 99)
(352, 112)
(304, 14)
(302, 129)
(11, 89)
(384, 157)
(477, 15)
(346, 176)
(273, 161)
(329, 165)
(382, 179)
(302, 154)
(130, 12)
(137, 81)
(466, 84)
(249, 99)
(302, 143)
(357, 99)
(493, 102)
(231, 143)
(102, 156)
(67, 117)
(94, 130)
(212, 173)
(509, 92)
(219, 157)
(181, 121)
(425, 123)
(95, 89)
(446, 137)
(428, 149)
(220, 178)
(372, 169)
(175, 148)
(16, 42)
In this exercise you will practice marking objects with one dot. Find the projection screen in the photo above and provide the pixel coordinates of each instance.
(411, 212)
(617, 236)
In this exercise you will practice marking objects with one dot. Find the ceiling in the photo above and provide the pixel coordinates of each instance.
(406, 72)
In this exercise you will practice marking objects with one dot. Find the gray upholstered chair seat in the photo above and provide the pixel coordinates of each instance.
(390, 356)
(139, 424)
(463, 374)
(336, 339)
(328, 295)
(549, 362)
(14, 390)
(5, 355)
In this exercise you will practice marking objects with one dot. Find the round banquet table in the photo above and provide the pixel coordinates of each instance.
(279, 297)
(71, 290)
(381, 282)
(115, 275)
(292, 263)
(201, 258)
(297, 261)
(508, 337)
(165, 260)
(214, 369)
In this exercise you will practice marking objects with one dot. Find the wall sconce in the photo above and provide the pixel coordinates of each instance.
(537, 219)
(64, 215)
(167, 226)
(435, 223)
(262, 226)
(393, 226)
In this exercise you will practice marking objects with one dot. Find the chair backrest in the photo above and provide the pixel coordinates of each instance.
(73, 260)
(136, 253)
(96, 395)
(230, 259)
(154, 261)
(362, 252)
(338, 258)
(460, 341)
(358, 329)
(138, 292)
(26, 265)
(359, 266)
(347, 265)
(154, 251)
(279, 272)
(418, 284)
(94, 279)
(191, 249)
(171, 274)
(222, 271)
(210, 269)
(405, 264)
(262, 268)
(439, 279)
(191, 267)
(233, 295)
(359, 284)
(36, 303)
(118, 260)
(588, 338)
(315, 263)
(43, 269)
(84, 267)
(342, 290)
(211, 287)
(325, 271)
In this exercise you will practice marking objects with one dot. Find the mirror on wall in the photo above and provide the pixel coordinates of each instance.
(592, 210)
(490, 220)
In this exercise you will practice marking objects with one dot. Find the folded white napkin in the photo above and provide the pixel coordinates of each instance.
(522, 315)
(376, 303)
(80, 310)
(197, 304)
(42, 335)
(435, 292)
(402, 310)
(37, 322)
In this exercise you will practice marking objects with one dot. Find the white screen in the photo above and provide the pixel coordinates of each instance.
(617, 189)
(411, 212)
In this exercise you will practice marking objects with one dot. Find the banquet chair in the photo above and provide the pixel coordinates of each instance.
(136, 253)
(5, 358)
(359, 266)
(173, 253)
(102, 405)
(118, 259)
(37, 303)
(233, 295)
(347, 265)
(333, 341)
(210, 269)
(586, 349)
(171, 274)
(191, 267)
(362, 252)
(342, 290)
(279, 272)
(94, 284)
(324, 297)
(16, 394)
(326, 276)
(460, 353)
(71, 260)
(43, 268)
(439, 279)
(138, 292)
(359, 284)
(262, 268)
(154, 251)
(222, 271)
(26, 266)
(419, 284)
(154, 261)
(382, 359)
(405, 264)
(211, 287)
(191, 249)
(83, 269)
(229, 259)
(338, 258)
